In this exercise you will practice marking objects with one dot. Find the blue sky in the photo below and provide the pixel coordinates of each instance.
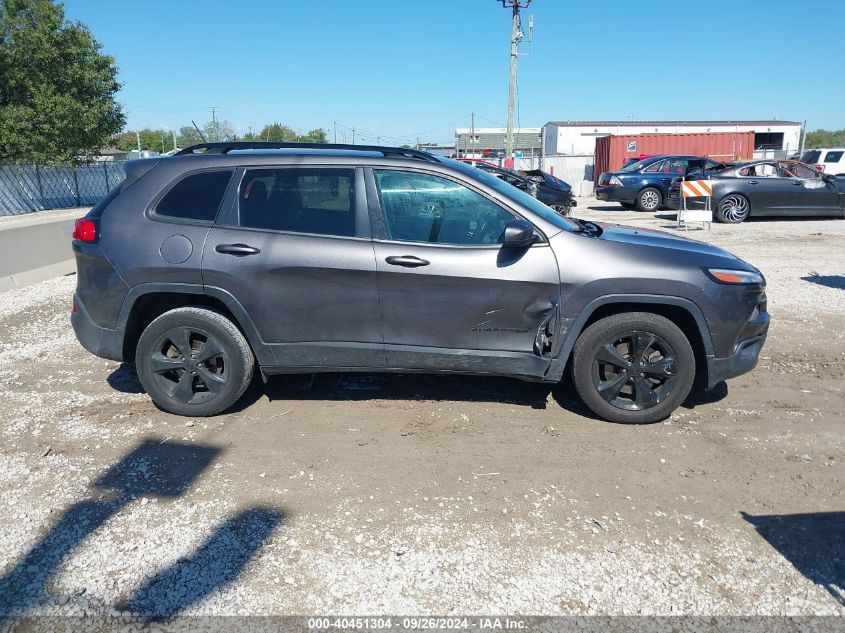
(398, 69)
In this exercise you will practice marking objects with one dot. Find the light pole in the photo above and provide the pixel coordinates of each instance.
(516, 36)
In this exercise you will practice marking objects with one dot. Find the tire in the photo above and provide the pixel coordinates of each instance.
(206, 382)
(609, 376)
(649, 199)
(733, 209)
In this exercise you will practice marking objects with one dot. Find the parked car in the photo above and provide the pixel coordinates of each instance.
(225, 259)
(828, 160)
(644, 185)
(768, 187)
(545, 187)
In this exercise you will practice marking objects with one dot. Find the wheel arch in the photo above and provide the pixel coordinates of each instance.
(146, 302)
(681, 311)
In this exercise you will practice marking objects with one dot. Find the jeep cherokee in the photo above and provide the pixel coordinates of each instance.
(302, 258)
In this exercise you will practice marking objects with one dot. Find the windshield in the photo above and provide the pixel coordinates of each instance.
(517, 195)
(639, 164)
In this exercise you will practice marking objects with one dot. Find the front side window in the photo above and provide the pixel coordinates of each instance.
(430, 209)
(300, 200)
(195, 197)
(798, 170)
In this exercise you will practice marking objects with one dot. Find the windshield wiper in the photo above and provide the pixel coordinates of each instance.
(586, 227)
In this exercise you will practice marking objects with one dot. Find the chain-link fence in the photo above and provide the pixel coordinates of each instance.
(29, 188)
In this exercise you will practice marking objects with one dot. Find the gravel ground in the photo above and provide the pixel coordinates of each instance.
(424, 494)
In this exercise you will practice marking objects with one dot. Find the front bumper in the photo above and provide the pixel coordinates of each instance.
(743, 360)
(615, 194)
(100, 341)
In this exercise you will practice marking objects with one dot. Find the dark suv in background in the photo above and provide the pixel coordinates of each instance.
(295, 258)
(645, 184)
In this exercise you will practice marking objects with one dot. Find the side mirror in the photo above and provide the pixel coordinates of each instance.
(519, 234)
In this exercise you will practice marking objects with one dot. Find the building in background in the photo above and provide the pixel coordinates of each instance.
(772, 139)
(489, 142)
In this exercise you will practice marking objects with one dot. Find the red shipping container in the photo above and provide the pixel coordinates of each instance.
(613, 151)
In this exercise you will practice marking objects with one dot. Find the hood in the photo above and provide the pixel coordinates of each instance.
(660, 239)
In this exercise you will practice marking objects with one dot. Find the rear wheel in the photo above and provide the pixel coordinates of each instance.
(733, 209)
(649, 199)
(634, 368)
(192, 361)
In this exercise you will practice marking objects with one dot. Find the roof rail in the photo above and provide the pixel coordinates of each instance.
(205, 149)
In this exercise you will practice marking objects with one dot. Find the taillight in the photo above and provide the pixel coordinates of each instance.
(614, 182)
(819, 167)
(85, 230)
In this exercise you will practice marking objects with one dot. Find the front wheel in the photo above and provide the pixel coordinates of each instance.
(193, 361)
(634, 367)
(649, 199)
(733, 209)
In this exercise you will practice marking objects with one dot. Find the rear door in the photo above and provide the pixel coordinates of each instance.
(294, 249)
(452, 298)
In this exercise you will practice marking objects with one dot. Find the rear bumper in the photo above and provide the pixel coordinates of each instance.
(615, 194)
(100, 341)
(743, 360)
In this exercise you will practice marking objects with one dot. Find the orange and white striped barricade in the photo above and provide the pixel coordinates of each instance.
(696, 189)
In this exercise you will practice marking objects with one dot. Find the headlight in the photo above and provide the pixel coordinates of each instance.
(734, 277)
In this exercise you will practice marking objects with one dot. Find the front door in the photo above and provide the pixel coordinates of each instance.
(452, 298)
(295, 250)
(809, 192)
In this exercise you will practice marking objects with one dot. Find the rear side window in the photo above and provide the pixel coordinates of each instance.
(195, 197)
(300, 200)
(833, 157)
(654, 167)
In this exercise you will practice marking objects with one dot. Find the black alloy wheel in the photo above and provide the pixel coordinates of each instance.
(633, 367)
(189, 365)
(635, 371)
(194, 361)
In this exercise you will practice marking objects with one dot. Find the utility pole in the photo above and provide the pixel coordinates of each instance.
(516, 36)
(214, 123)
(334, 125)
(353, 136)
(138, 138)
(174, 139)
(472, 132)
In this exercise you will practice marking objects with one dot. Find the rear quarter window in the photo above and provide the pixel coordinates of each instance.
(195, 197)
(833, 157)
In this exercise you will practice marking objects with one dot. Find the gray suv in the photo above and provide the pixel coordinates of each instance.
(298, 258)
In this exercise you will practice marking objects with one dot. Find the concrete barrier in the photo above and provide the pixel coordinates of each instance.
(36, 246)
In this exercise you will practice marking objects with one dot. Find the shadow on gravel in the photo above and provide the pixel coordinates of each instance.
(814, 543)
(125, 379)
(699, 396)
(828, 281)
(157, 469)
(217, 562)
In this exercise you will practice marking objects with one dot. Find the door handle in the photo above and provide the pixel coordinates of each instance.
(408, 261)
(238, 250)
(752, 182)
(797, 183)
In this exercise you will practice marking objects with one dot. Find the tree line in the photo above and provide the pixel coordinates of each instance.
(212, 131)
(825, 138)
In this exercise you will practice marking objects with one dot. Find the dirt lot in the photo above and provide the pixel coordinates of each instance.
(420, 494)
